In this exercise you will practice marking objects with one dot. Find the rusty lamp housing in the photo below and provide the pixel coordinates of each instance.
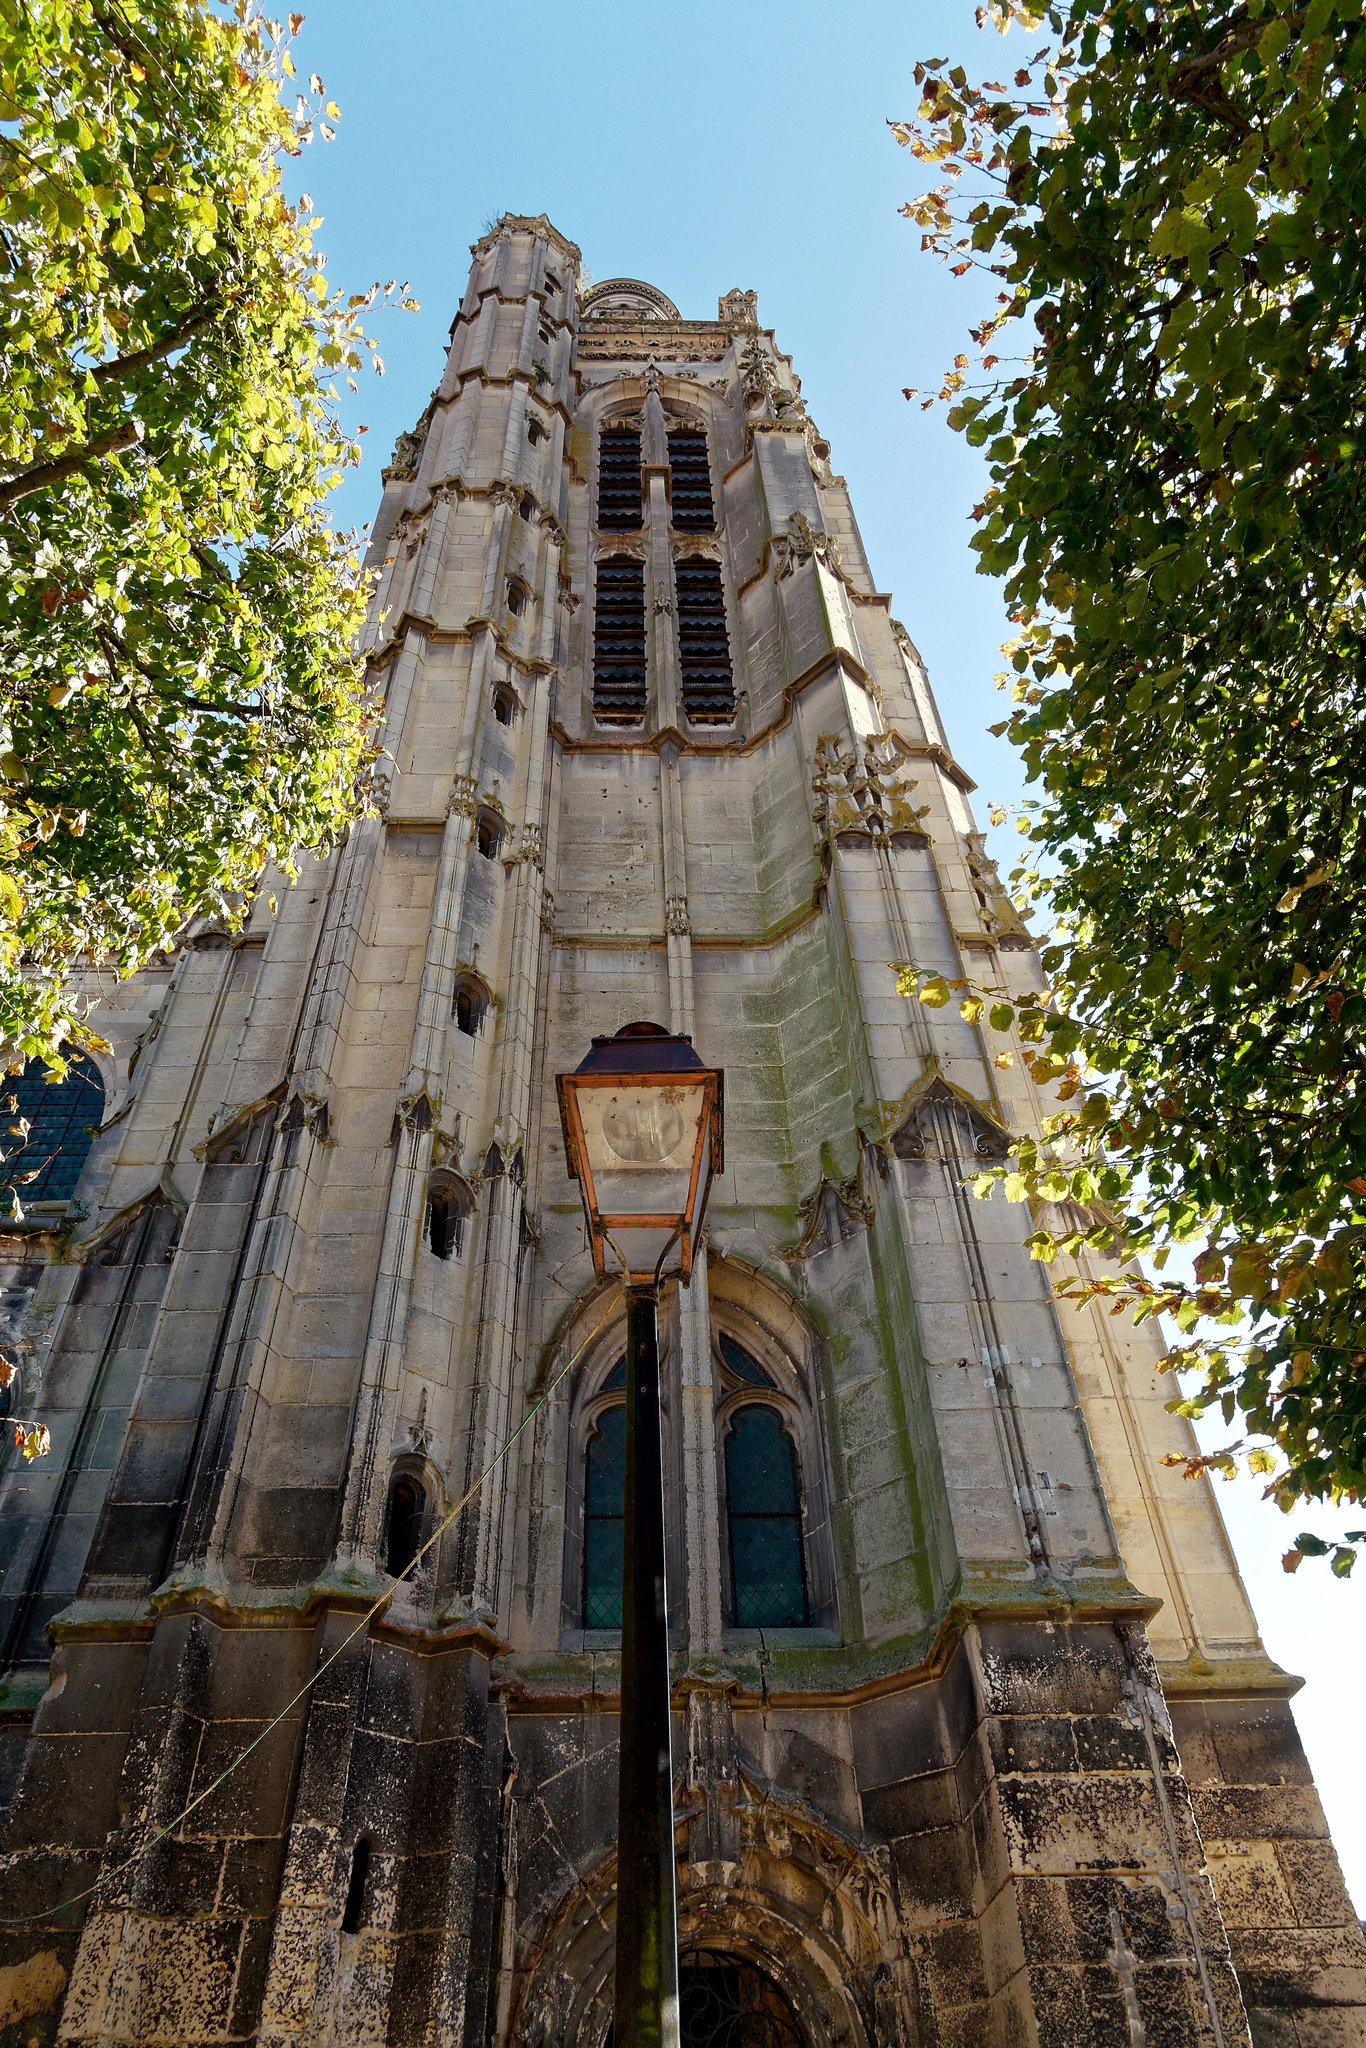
(642, 1137)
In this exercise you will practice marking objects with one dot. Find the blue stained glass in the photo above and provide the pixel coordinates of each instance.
(768, 1576)
(62, 1115)
(741, 1364)
(604, 1508)
(615, 1378)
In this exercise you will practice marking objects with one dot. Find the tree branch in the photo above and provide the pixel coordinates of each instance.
(202, 316)
(127, 434)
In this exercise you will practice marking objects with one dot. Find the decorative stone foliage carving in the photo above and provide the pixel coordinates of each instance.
(867, 800)
(999, 916)
(800, 543)
(403, 463)
(738, 309)
(676, 919)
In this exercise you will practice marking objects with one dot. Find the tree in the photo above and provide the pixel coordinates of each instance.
(181, 700)
(1174, 199)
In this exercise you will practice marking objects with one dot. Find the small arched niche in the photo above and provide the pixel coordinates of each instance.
(449, 1208)
(489, 834)
(518, 596)
(507, 705)
(470, 1004)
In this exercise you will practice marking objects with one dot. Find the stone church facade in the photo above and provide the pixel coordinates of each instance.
(975, 1739)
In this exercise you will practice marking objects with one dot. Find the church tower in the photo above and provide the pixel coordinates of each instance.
(975, 1739)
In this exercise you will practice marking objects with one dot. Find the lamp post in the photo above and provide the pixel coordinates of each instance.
(642, 1136)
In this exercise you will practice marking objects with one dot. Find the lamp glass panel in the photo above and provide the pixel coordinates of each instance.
(641, 1143)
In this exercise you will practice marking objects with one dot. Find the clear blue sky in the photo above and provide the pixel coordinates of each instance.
(702, 147)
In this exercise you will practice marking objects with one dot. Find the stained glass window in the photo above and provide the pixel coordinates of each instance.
(747, 1370)
(616, 1377)
(62, 1117)
(604, 1506)
(768, 1578)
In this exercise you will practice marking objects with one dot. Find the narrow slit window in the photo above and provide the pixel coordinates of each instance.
(703, 648)
(535, 432)
(767, 1569)
(489, 834)
(604, 1512)
(619, 479)
(691, 486)
(619, 642)
(407, 1509)
(353, 1913)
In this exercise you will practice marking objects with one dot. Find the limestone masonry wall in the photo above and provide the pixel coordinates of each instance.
(975, 1741)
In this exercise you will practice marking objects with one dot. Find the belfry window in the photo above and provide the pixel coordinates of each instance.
(691, 481)
(704, 651)
(763, 1500)
(619, 479)
(619, 642)
(62, 1117)
(604, 1509)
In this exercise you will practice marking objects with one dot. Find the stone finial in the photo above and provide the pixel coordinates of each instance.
(738, 309)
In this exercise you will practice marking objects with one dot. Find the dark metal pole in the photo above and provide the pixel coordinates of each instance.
(646, 2013)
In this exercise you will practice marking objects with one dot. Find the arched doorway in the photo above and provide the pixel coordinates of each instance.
(726, 2002)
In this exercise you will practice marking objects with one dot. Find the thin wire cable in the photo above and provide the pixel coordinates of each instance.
(27, 1919)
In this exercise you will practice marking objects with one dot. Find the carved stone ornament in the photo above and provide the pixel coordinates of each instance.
(836, 1211)
(676, 919)
(403, 463)
(1000, 918)
(627, 298)
(462, 797)
(738, 309)
(800, 543)
(757, 375)
(935, 1114)
(505, 493)
(905, 642)
(532, 848)
(868, 801)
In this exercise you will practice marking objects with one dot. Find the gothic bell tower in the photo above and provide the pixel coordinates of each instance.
(976, 1741)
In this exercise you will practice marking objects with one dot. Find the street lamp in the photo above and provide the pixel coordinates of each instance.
(642, 1136)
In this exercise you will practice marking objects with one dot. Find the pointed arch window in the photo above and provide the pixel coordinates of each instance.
(62, 1117)
(619, 642)
(763, 1502)
(619, 508)
(604, 1512)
